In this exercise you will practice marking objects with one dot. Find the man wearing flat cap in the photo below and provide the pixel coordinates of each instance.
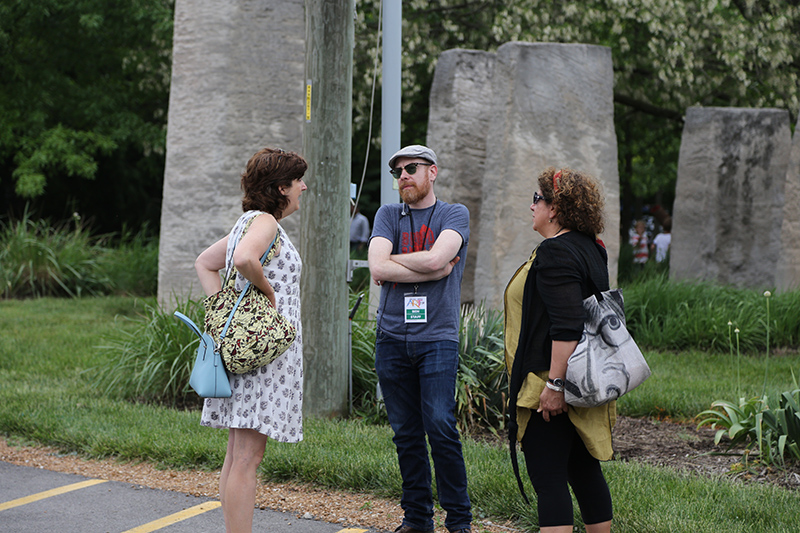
(416, 253)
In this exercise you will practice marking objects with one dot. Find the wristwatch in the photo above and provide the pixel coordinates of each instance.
(556, 384)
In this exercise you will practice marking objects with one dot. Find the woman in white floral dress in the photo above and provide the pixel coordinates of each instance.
(266, 402)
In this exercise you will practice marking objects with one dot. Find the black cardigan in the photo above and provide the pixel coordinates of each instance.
(552, 304)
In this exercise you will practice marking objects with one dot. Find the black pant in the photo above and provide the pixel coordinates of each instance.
(556, 455)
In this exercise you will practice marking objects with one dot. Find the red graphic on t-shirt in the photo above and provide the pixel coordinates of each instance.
(423, 240)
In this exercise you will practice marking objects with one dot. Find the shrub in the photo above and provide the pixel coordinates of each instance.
(39, 259)
(132, 264)
(773, 433)
(153, 362)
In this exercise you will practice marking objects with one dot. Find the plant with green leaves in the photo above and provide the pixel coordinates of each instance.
(773, 433)
(778, 430)
(40, 259)
(83, 99)
(482, 378)
(735, 421)
(668, 315)
(752, 423)
(153, 362)
(131, 263)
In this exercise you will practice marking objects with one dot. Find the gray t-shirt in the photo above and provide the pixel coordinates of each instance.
(444, 295)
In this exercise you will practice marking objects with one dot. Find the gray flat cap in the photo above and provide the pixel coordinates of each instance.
(414, 150)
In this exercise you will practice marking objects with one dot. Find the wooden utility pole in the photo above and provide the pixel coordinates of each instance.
(325, 227)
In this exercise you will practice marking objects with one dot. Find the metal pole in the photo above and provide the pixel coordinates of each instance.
(391, 94)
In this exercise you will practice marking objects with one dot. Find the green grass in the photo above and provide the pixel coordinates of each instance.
(685, 383)
(46, 398)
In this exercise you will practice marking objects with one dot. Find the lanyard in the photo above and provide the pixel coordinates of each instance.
(414, 231)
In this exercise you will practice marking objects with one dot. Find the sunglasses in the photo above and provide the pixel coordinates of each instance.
(411, 168)
(537, 197)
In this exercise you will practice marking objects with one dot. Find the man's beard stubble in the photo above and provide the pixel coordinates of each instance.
(415, 193)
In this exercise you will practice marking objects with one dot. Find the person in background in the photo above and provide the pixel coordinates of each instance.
(544, 319)
(662, 241)
(359, 229)
(638, 241)
(416, 253)
(266, 402)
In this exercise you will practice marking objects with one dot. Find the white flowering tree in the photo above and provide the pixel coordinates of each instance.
(668, 55)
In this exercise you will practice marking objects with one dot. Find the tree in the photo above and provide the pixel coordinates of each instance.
(83, 107)
(668, 55)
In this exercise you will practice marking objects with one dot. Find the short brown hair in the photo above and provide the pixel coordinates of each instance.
(267, 171)
(577, 198)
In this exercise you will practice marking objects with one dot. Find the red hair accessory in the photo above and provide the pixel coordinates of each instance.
(555, 177)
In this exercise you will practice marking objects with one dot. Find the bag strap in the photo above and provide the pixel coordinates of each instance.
(188, 321)
(245, 289)
(512, 442)
(514, 386)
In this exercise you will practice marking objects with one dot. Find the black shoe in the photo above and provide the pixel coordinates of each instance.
(408, 529)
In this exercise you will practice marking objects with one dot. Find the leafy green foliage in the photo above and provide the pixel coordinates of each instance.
(773, 433)
(482, 379)
(83, 99)
(667, 55)
(736, 422)
(131, 263)
(752, 422)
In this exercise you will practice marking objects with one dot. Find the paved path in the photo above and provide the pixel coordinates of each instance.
(34, 500)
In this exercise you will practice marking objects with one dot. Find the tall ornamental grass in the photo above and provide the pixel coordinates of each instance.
(39, 258)
(669, 315)
(151, 361)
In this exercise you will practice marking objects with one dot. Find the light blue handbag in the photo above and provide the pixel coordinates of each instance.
(209, 378)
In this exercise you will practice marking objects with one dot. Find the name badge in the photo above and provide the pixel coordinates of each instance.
(416, 306)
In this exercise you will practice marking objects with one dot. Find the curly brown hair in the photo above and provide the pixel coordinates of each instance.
(267, 172)
(577, 198)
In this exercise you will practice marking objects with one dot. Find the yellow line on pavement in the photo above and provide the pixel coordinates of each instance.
(352, 530)
(174, 518)
(48, 493)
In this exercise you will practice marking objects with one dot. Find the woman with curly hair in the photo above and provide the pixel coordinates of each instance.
(544, 319)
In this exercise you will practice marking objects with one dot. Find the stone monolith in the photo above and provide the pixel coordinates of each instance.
(237, 86)
(552, 105)
(460, 96)
(729, 198)
(788, 274)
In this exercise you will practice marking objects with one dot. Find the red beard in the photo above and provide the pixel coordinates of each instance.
(414, 193)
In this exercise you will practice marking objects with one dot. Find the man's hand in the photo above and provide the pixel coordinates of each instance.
(439, 274)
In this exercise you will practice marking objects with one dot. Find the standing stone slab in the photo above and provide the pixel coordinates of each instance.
(788, 274)
(552, 105)
(460, 96)
(237, 86)
(729, 196)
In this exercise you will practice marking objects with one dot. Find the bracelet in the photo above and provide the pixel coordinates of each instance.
(553, 387)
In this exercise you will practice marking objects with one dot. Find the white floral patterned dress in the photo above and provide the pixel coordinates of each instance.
(268, 399)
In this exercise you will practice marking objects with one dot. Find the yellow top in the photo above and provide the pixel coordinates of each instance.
(592, 423)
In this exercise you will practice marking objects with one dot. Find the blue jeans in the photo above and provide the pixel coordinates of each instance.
(418, 381)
